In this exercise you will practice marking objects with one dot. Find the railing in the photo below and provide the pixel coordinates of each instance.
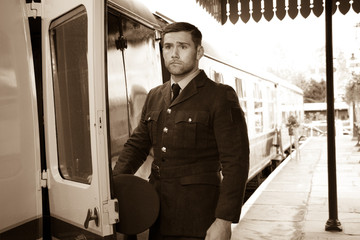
(312, 130)
(319, 128)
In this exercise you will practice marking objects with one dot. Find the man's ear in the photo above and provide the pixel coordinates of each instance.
(200, 52)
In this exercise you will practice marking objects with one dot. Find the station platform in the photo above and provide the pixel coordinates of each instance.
(292, 203)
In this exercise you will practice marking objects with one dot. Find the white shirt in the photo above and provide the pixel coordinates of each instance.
(184, 82)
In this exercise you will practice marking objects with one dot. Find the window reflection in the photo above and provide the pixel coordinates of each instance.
(71, 95)
(134, 67)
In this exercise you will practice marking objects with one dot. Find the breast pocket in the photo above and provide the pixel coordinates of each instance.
(151, 120)
(191, 129)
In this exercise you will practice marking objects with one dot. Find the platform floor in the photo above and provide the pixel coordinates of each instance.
(293, 202)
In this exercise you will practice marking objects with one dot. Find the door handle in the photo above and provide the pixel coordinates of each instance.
(91, 217)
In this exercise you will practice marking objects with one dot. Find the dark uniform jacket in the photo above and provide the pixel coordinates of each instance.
(200, 133)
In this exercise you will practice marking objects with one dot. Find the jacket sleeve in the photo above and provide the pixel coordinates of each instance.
(136, 148)
(233, 145)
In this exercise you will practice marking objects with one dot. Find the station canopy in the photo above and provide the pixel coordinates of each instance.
(233, 10)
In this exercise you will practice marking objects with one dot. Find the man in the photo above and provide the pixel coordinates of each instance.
(194, 136)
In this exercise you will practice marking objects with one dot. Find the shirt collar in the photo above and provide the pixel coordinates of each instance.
(184, 82)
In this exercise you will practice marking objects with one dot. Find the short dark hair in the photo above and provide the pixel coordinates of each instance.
(186, 27)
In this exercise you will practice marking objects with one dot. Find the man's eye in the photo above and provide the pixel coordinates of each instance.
(183, 47)
(167, 47)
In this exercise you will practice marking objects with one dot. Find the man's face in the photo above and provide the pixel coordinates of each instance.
(180, 54)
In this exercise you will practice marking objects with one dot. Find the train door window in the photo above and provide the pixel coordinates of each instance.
(240, 89)
(258, 108)
(68, 40)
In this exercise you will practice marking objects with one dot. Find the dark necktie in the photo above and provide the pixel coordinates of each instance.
(176, 90)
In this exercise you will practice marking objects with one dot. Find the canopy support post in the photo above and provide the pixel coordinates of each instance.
(332, 224)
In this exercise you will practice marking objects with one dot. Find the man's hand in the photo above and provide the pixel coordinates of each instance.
(219, 230)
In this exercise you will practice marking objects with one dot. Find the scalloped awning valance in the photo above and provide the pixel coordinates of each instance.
(233, 10)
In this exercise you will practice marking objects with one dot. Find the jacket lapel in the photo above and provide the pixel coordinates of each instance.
(166, 93)
(191, 89)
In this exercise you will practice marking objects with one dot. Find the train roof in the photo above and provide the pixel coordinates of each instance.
(232, 61)
(136, 10)
(290, 86)
(323, 106)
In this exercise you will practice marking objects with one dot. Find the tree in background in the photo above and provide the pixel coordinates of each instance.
(314, 91)
(311, 80)
(352, 97)
(352, 94)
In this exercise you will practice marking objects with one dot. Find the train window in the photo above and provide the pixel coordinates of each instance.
(68, 42)
(284, 104)
(217, 76)
(271, 107)
(258, 108)
(240, 89)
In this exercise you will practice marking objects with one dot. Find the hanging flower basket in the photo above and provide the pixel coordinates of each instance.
(291, 131)
(292, 123)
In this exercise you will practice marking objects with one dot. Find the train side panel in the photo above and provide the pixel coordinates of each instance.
(20, 200)
(256, 97)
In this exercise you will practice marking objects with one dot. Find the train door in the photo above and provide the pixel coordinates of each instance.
(20, 197)
(134, 67)
(75, 119)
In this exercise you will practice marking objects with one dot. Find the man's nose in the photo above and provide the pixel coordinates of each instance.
(175, 52)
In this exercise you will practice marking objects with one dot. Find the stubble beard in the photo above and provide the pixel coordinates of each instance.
(179, 71)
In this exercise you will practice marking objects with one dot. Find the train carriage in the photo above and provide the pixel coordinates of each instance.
(267, 102)
(74, 75)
